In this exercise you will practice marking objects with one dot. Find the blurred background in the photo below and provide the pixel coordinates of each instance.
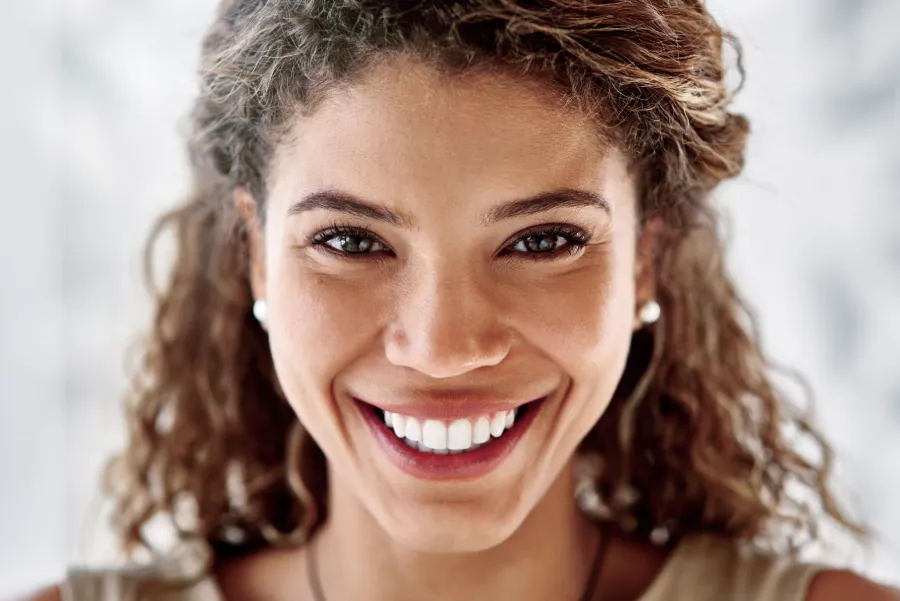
(93, 102)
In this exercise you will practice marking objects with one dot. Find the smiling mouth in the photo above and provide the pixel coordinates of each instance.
(456, 437)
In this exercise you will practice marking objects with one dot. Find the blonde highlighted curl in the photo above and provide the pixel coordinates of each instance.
(695, 437)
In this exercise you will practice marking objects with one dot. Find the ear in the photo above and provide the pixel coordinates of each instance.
(645, 266)
(249, 214)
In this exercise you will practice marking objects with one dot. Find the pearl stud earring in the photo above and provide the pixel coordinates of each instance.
(260, 310)
(650, 312)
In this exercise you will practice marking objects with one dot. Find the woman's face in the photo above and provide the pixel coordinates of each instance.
(487, 260)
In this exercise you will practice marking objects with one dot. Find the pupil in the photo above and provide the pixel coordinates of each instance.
(544, 243)
(353, 244)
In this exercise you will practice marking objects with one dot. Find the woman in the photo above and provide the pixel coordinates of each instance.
(449, 319)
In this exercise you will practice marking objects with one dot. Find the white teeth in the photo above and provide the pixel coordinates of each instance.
(434, 435)
(482, 431)
(498, 424)
(413, 429)
(459, 435)
(399, 425)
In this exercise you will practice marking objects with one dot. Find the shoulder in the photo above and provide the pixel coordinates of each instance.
(51, 593)
(838, 585)
(182, 575)
(775, 576)
(710, 568)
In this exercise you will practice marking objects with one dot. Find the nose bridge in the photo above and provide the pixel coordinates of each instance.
(446, 323)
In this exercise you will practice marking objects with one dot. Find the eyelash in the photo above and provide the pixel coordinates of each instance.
(576, 238)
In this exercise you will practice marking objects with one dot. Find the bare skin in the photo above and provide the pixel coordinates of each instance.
(454, 305)
(631, 567)
(444, 309)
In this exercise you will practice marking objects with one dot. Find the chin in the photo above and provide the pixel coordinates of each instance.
(452, 527)
(455, 503)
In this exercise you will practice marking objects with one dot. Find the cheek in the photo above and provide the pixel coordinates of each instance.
(321, 318)
(320, 323)
(585, 327)
(317, 326)
(584, 320)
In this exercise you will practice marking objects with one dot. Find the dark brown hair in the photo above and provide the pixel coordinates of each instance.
(694, 439)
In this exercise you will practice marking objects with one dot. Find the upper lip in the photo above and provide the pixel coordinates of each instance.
(447, 406)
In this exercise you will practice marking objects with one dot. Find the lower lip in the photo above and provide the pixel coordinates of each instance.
(468, 465)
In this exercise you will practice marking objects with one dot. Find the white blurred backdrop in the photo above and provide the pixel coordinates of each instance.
(93, 102)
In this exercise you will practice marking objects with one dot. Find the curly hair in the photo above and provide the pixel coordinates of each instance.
(697, 438)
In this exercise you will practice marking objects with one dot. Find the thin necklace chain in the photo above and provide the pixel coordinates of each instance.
(312, 570)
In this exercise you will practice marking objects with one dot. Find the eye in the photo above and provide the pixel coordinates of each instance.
(347, 240)
(545, 243)
(550, 242)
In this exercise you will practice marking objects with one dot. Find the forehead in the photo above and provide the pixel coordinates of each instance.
(404, 130)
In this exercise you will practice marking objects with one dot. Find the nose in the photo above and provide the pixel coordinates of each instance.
(447, 325)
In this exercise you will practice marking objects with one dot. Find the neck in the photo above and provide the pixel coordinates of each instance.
(548, 557)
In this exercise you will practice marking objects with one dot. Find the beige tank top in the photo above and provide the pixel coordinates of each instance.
(701, 568)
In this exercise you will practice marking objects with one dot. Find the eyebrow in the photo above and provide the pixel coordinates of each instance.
(343, 202)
